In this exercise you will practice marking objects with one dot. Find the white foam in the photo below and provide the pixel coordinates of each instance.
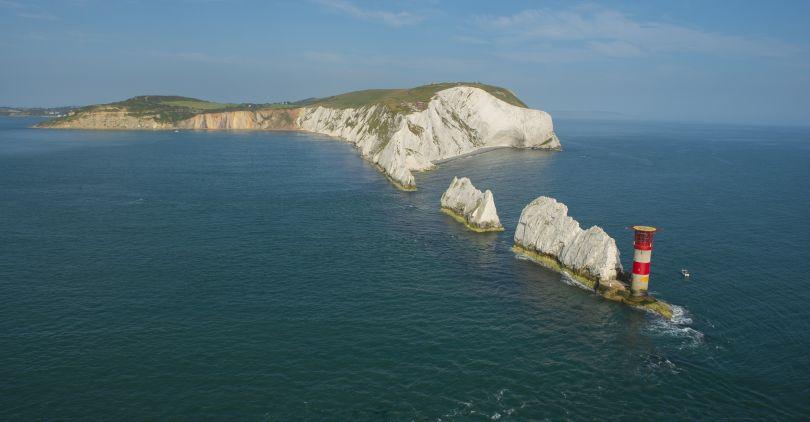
(654, 362)
(678, 327)
(571, 281)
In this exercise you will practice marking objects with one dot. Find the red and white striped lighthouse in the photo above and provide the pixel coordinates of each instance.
(641, 259)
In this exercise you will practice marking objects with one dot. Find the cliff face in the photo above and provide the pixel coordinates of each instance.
(112, 118)
(546, 228)
(456, 121)
(468, 204)
(105, 119)
(282, 119)
(400, 139)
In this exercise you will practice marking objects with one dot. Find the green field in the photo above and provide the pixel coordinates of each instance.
(168, 108)
(198, 104)
(409, 99)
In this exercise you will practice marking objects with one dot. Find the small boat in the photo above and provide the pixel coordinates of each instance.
(685, 272)
(175, 131)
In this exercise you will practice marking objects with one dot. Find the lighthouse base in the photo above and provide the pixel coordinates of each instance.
(614, 290)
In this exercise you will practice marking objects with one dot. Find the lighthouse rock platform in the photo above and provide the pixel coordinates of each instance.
(470, 206)
(547, 235)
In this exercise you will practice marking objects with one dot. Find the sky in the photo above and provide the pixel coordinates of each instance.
(714, 61)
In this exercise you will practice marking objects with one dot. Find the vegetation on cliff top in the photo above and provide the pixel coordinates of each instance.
(35, 111)
(406, 100)
(169, 109)
(162, 108)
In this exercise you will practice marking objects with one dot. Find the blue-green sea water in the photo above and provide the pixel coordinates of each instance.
(278, 276)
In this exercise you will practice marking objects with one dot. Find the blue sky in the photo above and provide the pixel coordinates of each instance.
(729, 61)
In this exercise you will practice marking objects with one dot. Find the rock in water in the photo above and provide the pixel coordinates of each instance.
(546, 234)
(546, 228)
(470, 206)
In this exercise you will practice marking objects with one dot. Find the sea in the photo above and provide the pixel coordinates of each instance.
(277, 276)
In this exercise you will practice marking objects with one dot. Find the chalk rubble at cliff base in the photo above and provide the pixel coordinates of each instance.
(547, 235)
(469, 205)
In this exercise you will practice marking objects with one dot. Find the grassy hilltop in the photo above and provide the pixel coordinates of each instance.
(408, 99)
(169, 109)
(35, 111)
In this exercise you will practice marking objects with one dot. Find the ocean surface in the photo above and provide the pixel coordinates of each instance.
(278, 276)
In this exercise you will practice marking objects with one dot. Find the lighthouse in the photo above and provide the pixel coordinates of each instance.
(641, 259)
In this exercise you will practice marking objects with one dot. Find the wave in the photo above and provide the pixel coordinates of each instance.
(679, 327)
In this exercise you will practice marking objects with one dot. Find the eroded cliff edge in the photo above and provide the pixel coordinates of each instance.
(401, 131)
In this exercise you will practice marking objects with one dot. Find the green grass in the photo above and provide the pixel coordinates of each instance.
(406, 100)
(169, 109)
(198, 104)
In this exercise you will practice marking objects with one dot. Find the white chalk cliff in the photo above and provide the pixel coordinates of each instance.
(476, 208)
(399, 134)
(456, 121)
(546, 228)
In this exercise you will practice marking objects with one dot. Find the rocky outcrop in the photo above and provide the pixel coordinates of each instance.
(545, 227)
(456, 121)
(470, 206)
(281, 119)
(547, 235)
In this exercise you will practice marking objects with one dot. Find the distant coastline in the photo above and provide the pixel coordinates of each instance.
(398, 130)
(50, 112)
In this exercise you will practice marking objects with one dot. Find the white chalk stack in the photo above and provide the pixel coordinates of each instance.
(469, 205)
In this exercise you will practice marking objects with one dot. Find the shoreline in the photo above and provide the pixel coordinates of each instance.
(461, 219)
(477, 151)
(398, 185)
(172, 129)
(484, 150)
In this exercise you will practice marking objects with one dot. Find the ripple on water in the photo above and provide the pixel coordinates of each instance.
(247, 284)
(678, 328)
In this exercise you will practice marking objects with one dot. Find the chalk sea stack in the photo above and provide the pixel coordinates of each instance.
(548, 236)
(470, 206)
(399, 130)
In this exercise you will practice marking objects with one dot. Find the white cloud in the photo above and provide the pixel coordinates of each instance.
(12, 4)
(38, 16)
(395, 19)
(28, 11)
(467, 39)
(591, 31)
(323, 57)
(195, 56)
(614, 48)
(382, 61)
